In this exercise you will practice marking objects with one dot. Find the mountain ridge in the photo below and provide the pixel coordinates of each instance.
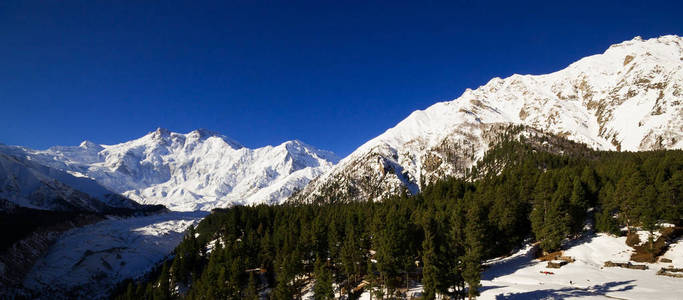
(199, 170)
(32, 185)
(627, 98)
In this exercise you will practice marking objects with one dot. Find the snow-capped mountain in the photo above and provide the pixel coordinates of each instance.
(628, 98)
(29, 184)
(199, 170)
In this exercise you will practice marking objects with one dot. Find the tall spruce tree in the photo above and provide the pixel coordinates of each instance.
(351, 257)
(578, 205)
(474, 248)
(429, 261)
(542, 197)
(322, 290)
(163, 291)
(251, 293)
(284, 277)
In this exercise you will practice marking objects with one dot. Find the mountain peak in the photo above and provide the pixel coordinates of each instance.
(203, 134)
(651, 42)
(626, 99)
(160, 133)
(296, 143)
(297, 146)
(88, 145)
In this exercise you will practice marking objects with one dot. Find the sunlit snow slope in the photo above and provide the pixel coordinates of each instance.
(628, 98)
(29, 184)
(519, 276)
(199, 170)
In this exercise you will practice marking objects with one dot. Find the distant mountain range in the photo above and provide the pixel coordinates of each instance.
(200, 170)
(627, 99)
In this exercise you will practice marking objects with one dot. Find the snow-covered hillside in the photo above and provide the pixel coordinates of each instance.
(29, 184)
(519, 276)
(91, 260)
(199, 170)
(628, 98)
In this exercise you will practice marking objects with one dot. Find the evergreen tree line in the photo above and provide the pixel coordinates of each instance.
(439, 237)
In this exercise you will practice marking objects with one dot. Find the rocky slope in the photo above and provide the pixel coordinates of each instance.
(628, 98)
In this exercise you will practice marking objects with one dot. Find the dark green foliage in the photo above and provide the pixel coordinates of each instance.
(430, 269)
(251, 292)
(578, 203)
(163, 291)
(322, 289)
(519, 190)
(474, 247)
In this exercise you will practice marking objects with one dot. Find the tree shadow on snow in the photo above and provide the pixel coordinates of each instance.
(584, 239)
(596, 290)
(513, 264)
(509, 265)
(489, 287)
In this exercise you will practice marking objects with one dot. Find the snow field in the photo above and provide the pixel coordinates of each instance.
(519, 276)
(91, 259)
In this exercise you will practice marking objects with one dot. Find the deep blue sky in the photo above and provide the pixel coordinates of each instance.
(331, 73)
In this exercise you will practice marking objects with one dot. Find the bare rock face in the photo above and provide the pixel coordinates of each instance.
(630, 98)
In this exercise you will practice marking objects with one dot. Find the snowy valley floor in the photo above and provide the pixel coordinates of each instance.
(519, 276)
(91, 259)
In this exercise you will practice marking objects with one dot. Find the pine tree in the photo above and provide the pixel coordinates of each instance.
(669, 198)
(556, 225)
(429, 259)
(130, 292)
(252, 288)
(578, 206)
(222, 285)
(391, 240)
(474, 249)
(590, 181)
(322, 290)
(163, 292)
(140, 290)
(542, 198)
(604, 218)
(647, 209)
(456, 242)
(372, 278)
(235, 279)
(350, 256)
(627, 194)
(283, 289)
